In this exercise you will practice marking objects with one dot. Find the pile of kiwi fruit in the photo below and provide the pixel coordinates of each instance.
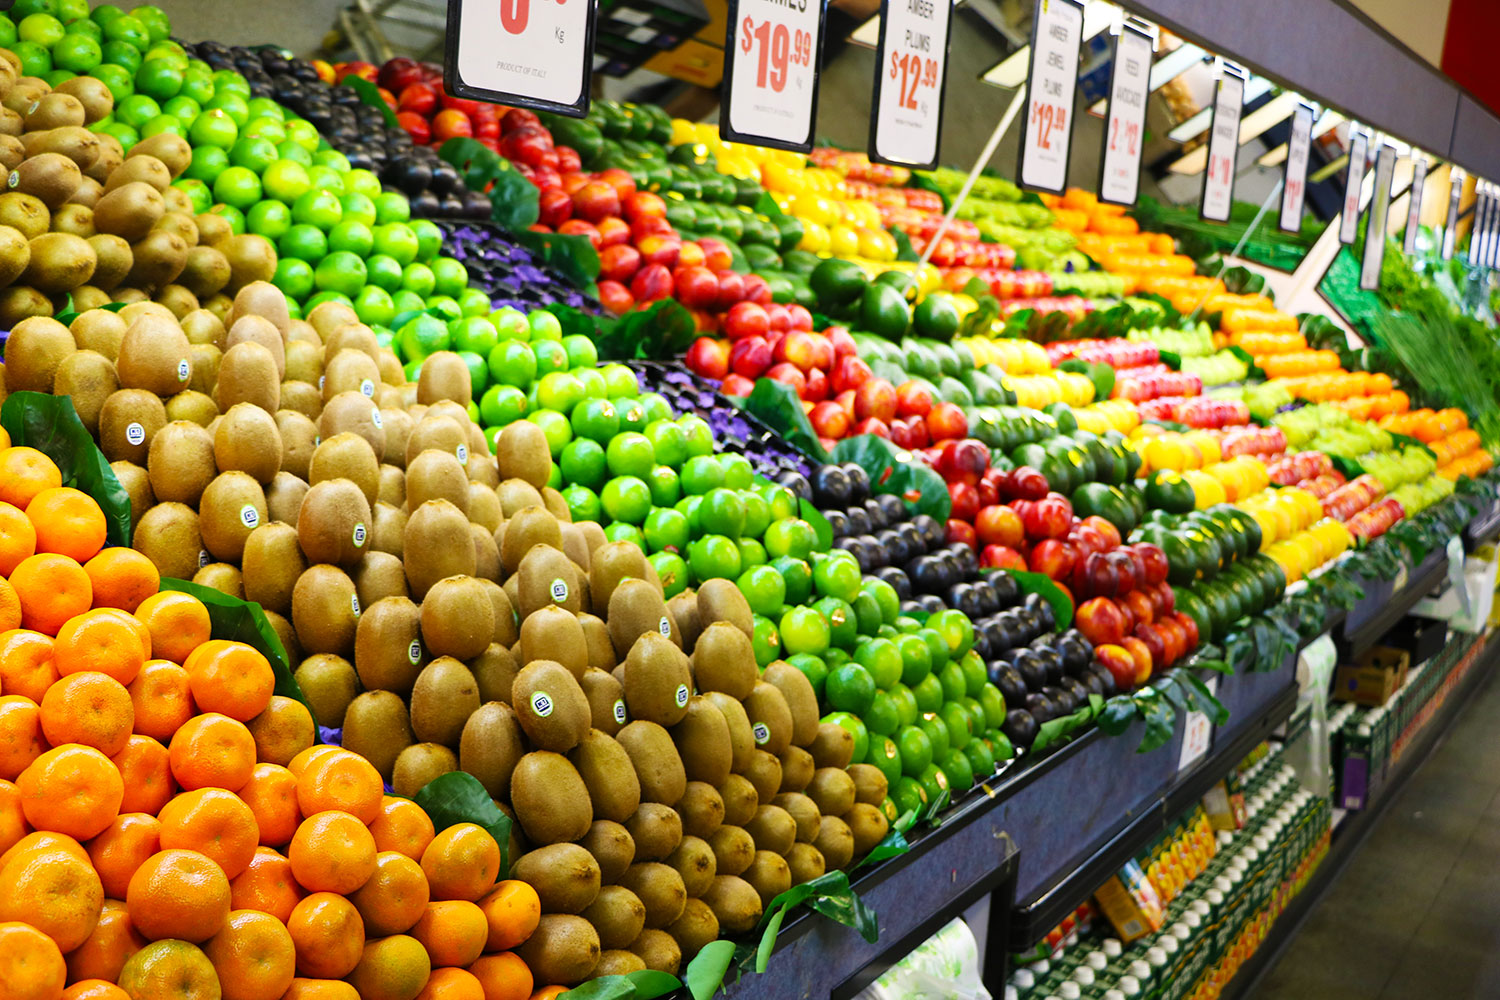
(81, 219)
(442, 609)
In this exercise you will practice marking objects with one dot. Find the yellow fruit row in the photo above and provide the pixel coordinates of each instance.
(1037, 391)
(1305, 551)
(1017, 357)
(1108, 415)
(1281, 513)
(1178, 451)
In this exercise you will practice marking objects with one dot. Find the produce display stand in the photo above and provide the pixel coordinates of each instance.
(1383, 605)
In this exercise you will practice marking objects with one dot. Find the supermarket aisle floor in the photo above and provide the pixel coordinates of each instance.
(1416, 915)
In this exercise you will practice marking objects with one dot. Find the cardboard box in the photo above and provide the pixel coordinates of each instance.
(1377, 675)
(1131, 904)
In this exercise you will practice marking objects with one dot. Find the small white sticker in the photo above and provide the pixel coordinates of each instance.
(184, 370)
(620, 711)
(665, 627)
(414, 652)
(360, 535)
(15, 178)
(762, 733)
(377, 419)
(367, 389)
(354, 604)
(203, 558)
(463, 454)
(541, 703)
(317, 440)
(559, 590)
(249, 516)
(135, 434)
(321, 380)
(682, 695)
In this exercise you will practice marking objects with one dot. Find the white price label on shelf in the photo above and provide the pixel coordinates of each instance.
(1359, 151)
(1414, 206)
(910, 75)
(1197, 732)
(1380, 208)
(531, 53)
(1223, 147)
(1294, 185)
(1047, 126)
(1450, 225)
(771, 73)
(1125, 118)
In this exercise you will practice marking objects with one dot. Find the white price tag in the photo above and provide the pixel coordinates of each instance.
(1047, 128)
(1359, 151)
(1125, 118)
(910, 80)
(1380, 207)
(1414, 206)
(1455, 195)
(1294, 186)
(1197, 732)
(771, 73)
(532, 53)
(1223, 146)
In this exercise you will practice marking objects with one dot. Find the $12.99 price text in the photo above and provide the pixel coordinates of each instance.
(913, 71)
(780, 48)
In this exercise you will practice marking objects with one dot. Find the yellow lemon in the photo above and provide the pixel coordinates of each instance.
(815, 238)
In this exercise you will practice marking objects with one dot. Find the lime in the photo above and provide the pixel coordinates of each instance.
(317, 208)
(418, 278)
(763, 587)
(451, 276)
(40, 29)
(783, 502)
(764, 640)
(937, 732)
(620, 380)
(738, 473)
(951, 677)
(374, 307)
(239, 187)
(268, 218)
(842, 629)
(699, 436)
(908, 794)
(667, 437)
(757, 513)
(76, 53)
(791, 536)
(885, 595)
(981, 760)
(550, 357)
(305, 243)
(294, 277)
(976, 677)
(673, 572)
(136, 110)
(213, 128)
(8, 31)
(937, 646)
(187, 110)
(702, 474)
(957, 769)
(688, 506)
(796, 577)
(164, 123)
(631, 454)
(626, 498)
(960, 727)
(906, 703)
(886, 758)
(856, 728)
(231, 104)
(555, 426)
(866, 613)
(284, 180)
(561, 392)
(198, 193)
(929, 693)
(915, 748)
(882, 659)
(592, 382)
(198, 86)
(472, 333)
(158, 78)
(207, 163)
(666, 491)
(122, 54)
(722, 512)
(117, 79)
(813, 668)
(581, 351)
(583, 503)
(544, 325)
(837, 575)
(717, 557)
(665, 528)
(955, 628)
(341, 271)
(502, 404)
(429, 236)
(385, 272)
(389, 206)
(880, 716)
(513, 363)
(803, 630)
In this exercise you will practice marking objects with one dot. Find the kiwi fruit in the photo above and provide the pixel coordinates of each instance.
(204, 271)
(251, 258)
(137, 485)
(350, 415)
(832, 747)
(112, 259)
(333, 523)
(232, 506)
(867, 825)
(377, 726)
(515, 496)
(442, 699)
(801, 700)
(172, 151)
(60, 270)
(833, 791)
(193, 406)
(656, 761)
(548, 579)
(379, 575)
(601, 651)
(284, 497)
(636, 609)
(806, 863)
(696, 928)
(610, 844)
(617, 962)
(304, 363)
(563, 950)
(49, 177)
(656, 830)
(15, 254)
(88, 379)
(702, 739)
(657, 682)
(701, 808)
(392, 486)
(389, 531)
(548, 701)
(773, 829)
(28, 216)
(522, 452)
(444, 375)
(764, 773)
(272, 562)
(804, 812)
(142, 169)
(430, 554)
(35, 349)
(325, 609)
(458, 619)
(418, 765)
(155, 355)
(660, 890)
(299, 396)
(506, 631)
(835, 842)
(575, 547)
(128, 421)
(129, 211)
(606, 698)
(724, 660)
(870, 784)
(740, 799)
(387, 645)
(527, 528)
(565, 877)
(248, 440)
(768, 875)
(343, 371)
(551, 801)
(347, 334)
(796, 769)
(495, 672)
(263, 299)
(95, 97)
(610, 564)
(329, 684)
(553, 634)
(157, 259)
(721, 601)
(609, 775)
(735, 903)
(617, 913)
(168, 535)
(347, 456)
(442, 433)
(221, 577)
(741, 736)
(658, 951)
(733, 849)
(770, 718)
(12, 152)
(490, 747)
(20, 302)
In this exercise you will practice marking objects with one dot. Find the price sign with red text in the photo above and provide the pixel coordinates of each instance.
(1414, 206)
(771, 73)
(1223, 146)
(911, 68)
(1294, 185)
(1477, 221)
(1380, 208)
(526, 53)
(1047, 125)
(1450, 225)
(1359, 151)
(1125, 119)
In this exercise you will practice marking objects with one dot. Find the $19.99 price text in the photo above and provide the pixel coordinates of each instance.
(780, 48)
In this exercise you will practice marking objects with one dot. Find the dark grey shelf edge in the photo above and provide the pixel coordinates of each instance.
(1351, 833)
(1366, 635)
(1482, 529)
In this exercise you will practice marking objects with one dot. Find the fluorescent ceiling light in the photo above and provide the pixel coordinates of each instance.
(867, 34)
(1256, 88)
(1098, 16)
(1277, 109)
(1327, 123)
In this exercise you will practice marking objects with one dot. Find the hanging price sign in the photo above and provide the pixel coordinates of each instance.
(771, 73)
(1223, 146)
(1359, 151)
(526, 53)
(1047, 125)
(910, 80)
(1380, 207)
(1125, 119)
(1414, 206)
(1450, 225)
(1491, 224)
(1294, 186)
(1478, 222)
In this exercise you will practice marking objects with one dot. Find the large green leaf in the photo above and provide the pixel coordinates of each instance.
(574, 257)
(51, 425)
(829, 895)
(705, 973)
(776, 405)
(1039, 583)
(662, 330)
(892, 470)
(370, 94)
(458, 797)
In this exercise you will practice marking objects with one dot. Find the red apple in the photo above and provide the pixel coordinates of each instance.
(817, 386)
(651, 282)
(756, 289)
(697, 288)
(794, 348)
(1024, 483)
(650, 225)
(1110, 532)
(736, 385)
(1052, 558)
(876, 399)
(824, 356)
(731, 286)
(621, 181)
(1168, 597)
(962, 531)
(1155, 643)
(1155, 561)
(416, 126)
(829, 420)
(717, 257)
(1002, 557)
(838, 336)
(596, 200)
(554, 208)
(1173, 636)
(946, 420)
(418, 98)
(691, 254)
(788, 374)
(619, 262)
(1140, 606)
(1049, 518)
(746, 319)
(750, 357)
(615, 297)
(643, 203)
(1141, 654)
(567, 158)
(1101, 621)
(872, 425)
(846, 400)
(660, 248)
(1120, 664)
(849, 372)
(578, 227)
(709, 357)
(965, 500)
(1087, 538)
(913, 399)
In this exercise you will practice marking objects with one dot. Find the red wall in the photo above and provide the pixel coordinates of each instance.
(1469, 49)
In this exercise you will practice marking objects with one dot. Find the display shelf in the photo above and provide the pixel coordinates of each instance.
(1484, 528)
(1351, 828)
(1382, 608)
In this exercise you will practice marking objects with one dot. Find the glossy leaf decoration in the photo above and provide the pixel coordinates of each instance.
(51, 425)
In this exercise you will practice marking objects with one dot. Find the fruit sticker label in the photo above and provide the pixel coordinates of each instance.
(249, 516)
(1414, 207)
(761, 732)
(530, 53)
(203, 558)
(1359, 150)
(1380, 208)
(376, 418)
(462, 451)
(682, 695)
(1047, 125)
(1125, 119)
(911, 73)
(620, 711)
(367, 389)
(541, 703)
(1223, 145)
(184, 370)
(665, 627)
(1294, 184)
(771, 56)
(414, 652)
(135, 434)
(360, 534)
(354, 604)
(559, 590)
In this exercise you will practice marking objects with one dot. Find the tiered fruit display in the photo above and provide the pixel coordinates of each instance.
(1456, 447)
(1405, 471)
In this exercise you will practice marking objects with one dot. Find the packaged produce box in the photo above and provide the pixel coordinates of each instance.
(1372, 680)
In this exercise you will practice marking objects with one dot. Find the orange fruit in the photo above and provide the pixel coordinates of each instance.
(99, 641)
(462, 862)
(20, 735)
(452, 984)
(341, 781)
(271, 794)
(212, 751)
(320, 989)
(94, 989)
(282, 731)
(122, 848)
(26, 663)
(43, 840)
(504, 976)
(104, 954)
(10, 606)
(161, 698)
(54, 891)
(549, 992)
(402, 826)
(170, 969)
(254, 956)
(71, 789)
(329, 934)
(178, 894)
(13, 824)
(122, 578)
(31, 967)
(394, 898)
(68, 522)
(266, 885)
(25, 472)
(52, 588)
(178, 624)
(332, 852)
(454, 932)
(512, 911)
(230, 678)
(213, 822)
(89, 708)
(298, 763)
(393, 968)
(17, 538)
(146, 771)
